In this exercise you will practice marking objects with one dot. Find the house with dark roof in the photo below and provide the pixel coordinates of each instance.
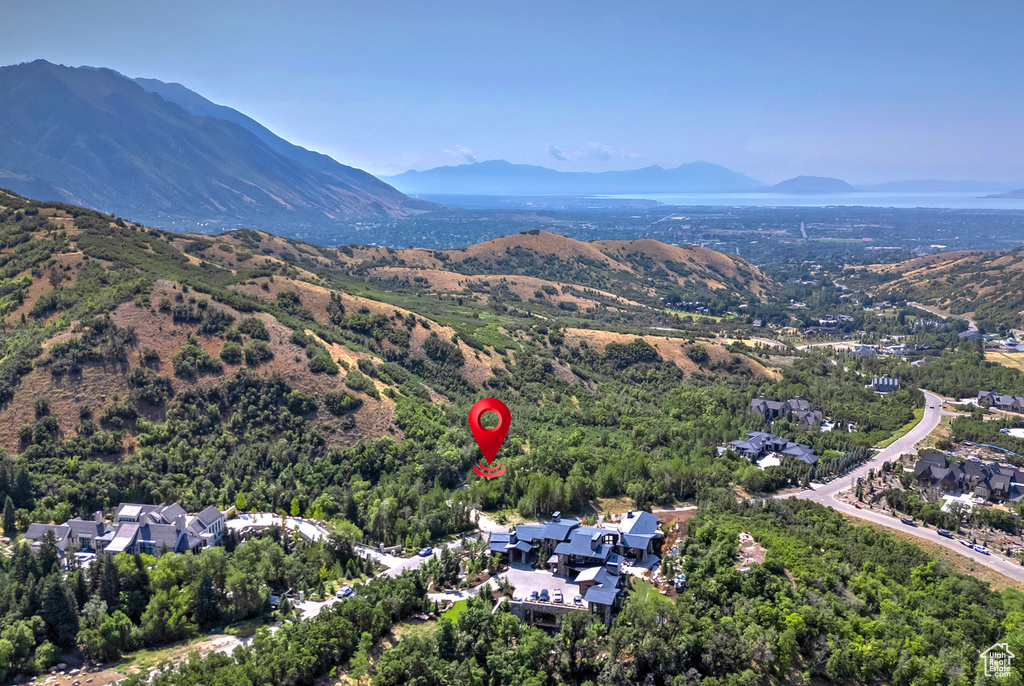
(1000, 401)
(759, 444)
(602, 589)
(796, 409)
(639, 535)
(987, 481)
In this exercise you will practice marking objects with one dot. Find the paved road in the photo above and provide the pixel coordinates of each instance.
(824, 494)
(933, 412)
(416, 561)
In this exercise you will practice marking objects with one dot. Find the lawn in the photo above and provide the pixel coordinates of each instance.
(645, 591)
(455, 610)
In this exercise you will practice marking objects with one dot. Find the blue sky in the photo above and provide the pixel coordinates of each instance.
(866, 91)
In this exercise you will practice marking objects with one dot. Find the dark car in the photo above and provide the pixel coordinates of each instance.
(534, 595)
(544, 597)
(947, 534)
(908, 521)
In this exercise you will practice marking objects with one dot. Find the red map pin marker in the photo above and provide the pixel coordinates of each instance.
(489, 440)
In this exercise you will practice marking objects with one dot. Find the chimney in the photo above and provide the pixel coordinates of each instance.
(556, 516)
(612, 568)
(179, 522)
(629, 514)
(97, 516)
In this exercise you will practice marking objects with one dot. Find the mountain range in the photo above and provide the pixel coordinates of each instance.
(499, 177)
(165, 155)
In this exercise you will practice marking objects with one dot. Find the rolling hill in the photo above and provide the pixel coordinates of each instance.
(615, 273)
(498, 177)
(123, 320)
(989, 284)
(165, 155)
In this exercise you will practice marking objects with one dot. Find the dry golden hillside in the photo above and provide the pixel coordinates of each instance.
(988, 284)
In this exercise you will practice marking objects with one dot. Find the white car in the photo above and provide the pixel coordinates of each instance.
(981, 549)
(556, 597)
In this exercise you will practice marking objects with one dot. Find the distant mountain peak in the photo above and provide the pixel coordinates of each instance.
(501, 177)
(813, 184)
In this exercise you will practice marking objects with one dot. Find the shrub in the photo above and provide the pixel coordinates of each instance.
(231, 352)
(257, 352)
(254, 328)
(340, 402)
(357, 382)
(192, 360)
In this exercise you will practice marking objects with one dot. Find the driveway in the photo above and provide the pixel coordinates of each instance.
(527, 579)
(415, 562)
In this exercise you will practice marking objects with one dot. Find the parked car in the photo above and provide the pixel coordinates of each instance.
(578, 600)
(964, 541)
(426, 552)
(556, 597)
(544, 597)
(857, 505)
(346, 592)
(981, 549)
(908, 521)
(534, 595)
(947, 534)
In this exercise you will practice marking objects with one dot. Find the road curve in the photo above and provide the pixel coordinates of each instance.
(933, 412)
(824, 494)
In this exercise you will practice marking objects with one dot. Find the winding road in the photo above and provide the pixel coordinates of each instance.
(824, 494)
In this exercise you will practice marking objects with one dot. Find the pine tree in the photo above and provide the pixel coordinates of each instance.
(205, 604)
(10, 521)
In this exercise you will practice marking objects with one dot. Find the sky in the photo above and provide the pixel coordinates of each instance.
(865, 91)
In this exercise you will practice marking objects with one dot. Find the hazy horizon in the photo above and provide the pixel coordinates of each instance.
(870, 93)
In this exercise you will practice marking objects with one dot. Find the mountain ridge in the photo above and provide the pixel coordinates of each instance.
(93, 137)
(500, 177)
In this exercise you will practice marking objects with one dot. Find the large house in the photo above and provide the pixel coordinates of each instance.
(987, 481)
(149, 529)
(794, 409)
(591, 556)
(758, 444)
(1006, 403)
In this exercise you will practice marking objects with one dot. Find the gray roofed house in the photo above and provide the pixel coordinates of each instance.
(988, 481)
(137, 528)
(795, 409)
(36, 532)
(497, 541)
(760, 443)
(885, 384)
(1001, 401)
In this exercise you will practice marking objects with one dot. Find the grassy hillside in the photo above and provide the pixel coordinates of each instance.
(546, 268)
(989, 284)
(145, 365)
